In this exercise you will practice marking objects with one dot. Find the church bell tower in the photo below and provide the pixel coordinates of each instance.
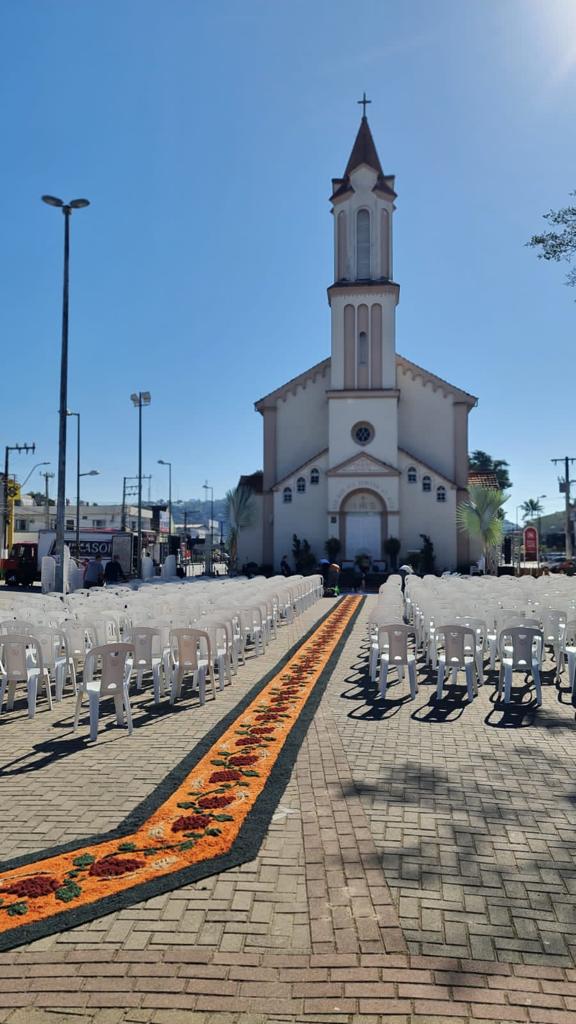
(363, 297)
(363, 300)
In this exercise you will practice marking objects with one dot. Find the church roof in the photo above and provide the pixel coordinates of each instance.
(254, 481)
(363, 152)
(439, 382)
(319, 369)
(292, 385)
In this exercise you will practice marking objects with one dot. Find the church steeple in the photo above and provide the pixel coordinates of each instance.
(364, 153)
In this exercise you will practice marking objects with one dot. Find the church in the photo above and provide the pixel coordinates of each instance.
(365, 445)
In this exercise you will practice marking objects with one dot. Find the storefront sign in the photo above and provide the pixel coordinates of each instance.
(531, 544)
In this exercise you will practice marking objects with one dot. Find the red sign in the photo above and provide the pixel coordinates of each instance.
(531, 544)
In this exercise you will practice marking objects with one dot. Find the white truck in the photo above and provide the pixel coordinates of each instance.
(24, 563)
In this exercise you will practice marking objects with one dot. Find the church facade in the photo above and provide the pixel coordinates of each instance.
(365, 445)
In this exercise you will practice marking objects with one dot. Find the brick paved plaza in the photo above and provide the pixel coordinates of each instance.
(419, 866)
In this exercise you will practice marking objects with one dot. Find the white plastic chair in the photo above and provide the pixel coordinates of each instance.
(393, 643)
(188, 660)
(142, 640)
(21, 662)
(520, 651)
(457, 645)
(115, 671)
(56, 659)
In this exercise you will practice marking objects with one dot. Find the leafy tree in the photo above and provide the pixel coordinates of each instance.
(531, 508)
(481, 462)
(480, 518)
(304, 557)
(39, 498)
(559, 246)
(332, 548)
(241, 514)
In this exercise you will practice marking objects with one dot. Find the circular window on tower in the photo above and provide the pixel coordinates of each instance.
(363, 432)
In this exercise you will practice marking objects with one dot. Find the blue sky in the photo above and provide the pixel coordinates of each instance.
(206, 137)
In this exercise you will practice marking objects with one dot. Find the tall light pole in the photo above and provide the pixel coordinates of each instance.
(139, 399)
(77, 415)
(47, 477)
(75, 204)
(208, 487)
(161, 462)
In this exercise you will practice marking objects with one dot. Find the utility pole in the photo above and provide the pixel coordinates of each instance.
(7, 502)
(567, 526)
(47, 478)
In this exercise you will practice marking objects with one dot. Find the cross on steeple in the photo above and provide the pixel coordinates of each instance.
(364, 103)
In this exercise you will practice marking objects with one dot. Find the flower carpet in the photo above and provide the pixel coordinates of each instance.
(210, 813)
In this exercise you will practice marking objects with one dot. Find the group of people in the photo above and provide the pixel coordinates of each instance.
(96, 574)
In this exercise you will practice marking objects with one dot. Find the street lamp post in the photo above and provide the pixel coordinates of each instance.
(208, 487)
(139, 399)
(161, 462)
(75, 204)
(78, 474)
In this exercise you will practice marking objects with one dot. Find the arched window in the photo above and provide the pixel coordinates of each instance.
(412, 475)
(287, 495)
(362, 245)
(426, 483)
(362, 349)
(341, 245)
(440, 494)
(314, 476)
(300, 485)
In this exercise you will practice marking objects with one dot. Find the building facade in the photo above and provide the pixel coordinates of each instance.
(365, 445)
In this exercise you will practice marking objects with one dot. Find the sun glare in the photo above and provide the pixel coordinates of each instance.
(555, 22)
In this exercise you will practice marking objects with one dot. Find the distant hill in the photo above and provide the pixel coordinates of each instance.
(198, 511)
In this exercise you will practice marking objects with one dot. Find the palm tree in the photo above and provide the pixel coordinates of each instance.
(481, 462)
(480, 517)
(241, 514)
(531, 509)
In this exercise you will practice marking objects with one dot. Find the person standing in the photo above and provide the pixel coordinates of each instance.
(114, 573)
(94, 575)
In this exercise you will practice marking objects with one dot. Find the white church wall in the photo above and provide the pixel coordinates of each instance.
(304, 516)
(423, 513)
(302, 426)
(379, 412)
(425, 422)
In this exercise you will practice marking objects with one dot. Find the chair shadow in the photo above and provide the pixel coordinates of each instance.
(55, 750)
(449, 708)
(378, 709)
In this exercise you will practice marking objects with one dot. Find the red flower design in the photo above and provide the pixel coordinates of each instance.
(191, 822)
(261, 730)
(210, 802)
(38, 885)
(243, 759)
(245, 741)
(225, 776)
(112, 867)
(281, 707)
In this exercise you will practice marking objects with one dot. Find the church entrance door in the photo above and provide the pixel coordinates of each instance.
(363, 524)
(363, 534)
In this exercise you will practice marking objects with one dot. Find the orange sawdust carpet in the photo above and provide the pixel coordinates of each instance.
(209, 814)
